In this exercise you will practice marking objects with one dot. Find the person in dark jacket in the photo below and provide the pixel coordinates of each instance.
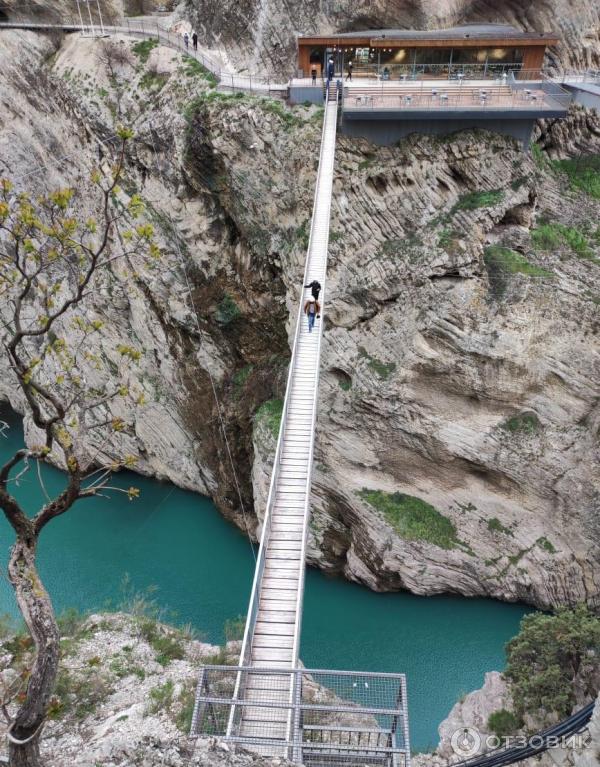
(195, 40)
(313, 74)
(315, 288)
(349, 71)
(330, 70)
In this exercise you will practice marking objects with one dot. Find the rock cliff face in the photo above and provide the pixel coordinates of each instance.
(458, 425)
(261, 33)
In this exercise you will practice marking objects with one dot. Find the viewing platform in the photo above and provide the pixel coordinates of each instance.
(384, 111)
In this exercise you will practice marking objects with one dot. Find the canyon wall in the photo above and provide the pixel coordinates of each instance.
(457, 445)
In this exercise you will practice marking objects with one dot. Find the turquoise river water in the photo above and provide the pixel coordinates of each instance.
(202, 569)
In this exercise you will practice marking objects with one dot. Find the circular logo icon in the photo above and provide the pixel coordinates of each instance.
(466, 741)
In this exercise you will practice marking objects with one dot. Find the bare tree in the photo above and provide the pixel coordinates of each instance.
(118, 61)
(49, 263)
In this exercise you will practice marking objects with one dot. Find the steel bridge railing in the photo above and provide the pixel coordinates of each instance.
(253, 609)
(340, 717)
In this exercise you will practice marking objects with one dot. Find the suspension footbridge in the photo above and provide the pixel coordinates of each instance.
(269, 703)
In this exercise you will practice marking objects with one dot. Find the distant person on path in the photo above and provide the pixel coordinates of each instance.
(349, 71)
(315, 287)
(330, 70)
(195, 40)
(311, 309)
(313, 74)
(186, 40)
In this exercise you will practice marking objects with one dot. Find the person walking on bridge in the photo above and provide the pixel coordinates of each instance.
(195, 40)
(311, 309)
(330, 70)
(315, 288)
(186, 40)
(349, 77)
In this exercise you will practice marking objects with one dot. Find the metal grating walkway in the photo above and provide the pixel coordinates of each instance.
(272, 633)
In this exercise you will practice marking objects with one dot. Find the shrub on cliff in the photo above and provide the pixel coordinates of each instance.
(549, 654)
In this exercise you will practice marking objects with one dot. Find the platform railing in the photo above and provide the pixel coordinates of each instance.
(340, 717)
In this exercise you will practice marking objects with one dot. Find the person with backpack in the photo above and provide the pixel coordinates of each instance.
(195, 40)
(315, 287)
(311, 309)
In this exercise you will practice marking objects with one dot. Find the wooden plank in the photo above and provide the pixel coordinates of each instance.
(291, 535)
(276, 616)
(286, 556)
(276, 594)
(268, 664)
(274, 629)
(271, 653)
(263, 640)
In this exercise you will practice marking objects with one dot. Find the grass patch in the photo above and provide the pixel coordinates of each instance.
(523, 423)
(538, 156)
(242, 375)
(227, 311)
(382, 369)
(495, 526)
(501, 263)
(153, 81)
(167, 646)
(517, 183)
(193, 68)
(412, 518)
(551, 236)
(122, 666)
(447, 237)
(545, 544)
(144, 48)
(186, 700)
(278, 108)
(270, 413)
(583, 174)
(78, 693)
(474, 200)
(161, 697)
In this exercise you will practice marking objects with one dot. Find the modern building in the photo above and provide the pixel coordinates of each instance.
(476, 50)
(485, 76)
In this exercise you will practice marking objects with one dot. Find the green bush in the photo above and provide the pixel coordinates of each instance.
(503, 722)
(161, 697)
(270, 412)
(547, 655)
(495, 526)
(227, 311)
(525, 423)
(193, 68)
(382, 369)
(186, 700)
(143, 48)
(583, 173)
(474, 200)
(412, 518)
(550, 236)
(501, 263)
(167, 648)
